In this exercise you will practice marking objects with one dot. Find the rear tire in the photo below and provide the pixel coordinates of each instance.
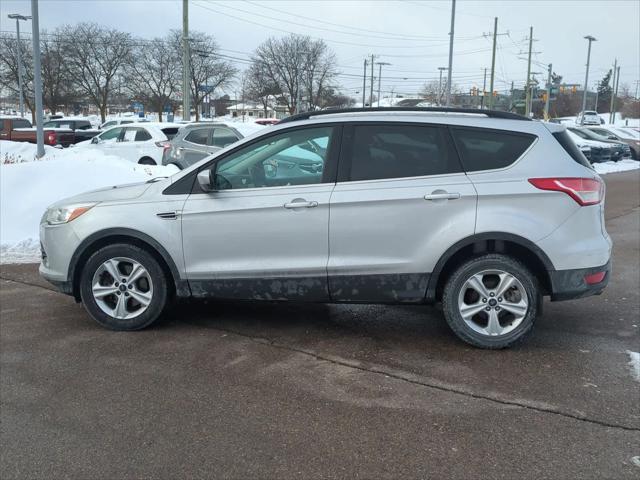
(491, 301)
(147, 161)
(123, 287)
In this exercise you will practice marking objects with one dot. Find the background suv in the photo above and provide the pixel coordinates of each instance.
(486, 213)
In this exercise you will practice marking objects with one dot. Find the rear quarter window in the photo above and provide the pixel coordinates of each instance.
(20, 123)
(484, 149)
(570, 147)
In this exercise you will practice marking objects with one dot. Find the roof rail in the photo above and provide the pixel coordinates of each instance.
(488, 113)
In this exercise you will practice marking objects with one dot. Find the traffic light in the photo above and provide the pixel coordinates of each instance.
(544, 96)
(574, 89)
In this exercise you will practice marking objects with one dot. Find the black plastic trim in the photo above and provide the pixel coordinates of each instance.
(570, 284)
(481, 237)
(181, 285)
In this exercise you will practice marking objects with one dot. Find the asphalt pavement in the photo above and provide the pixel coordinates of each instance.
(265, 390)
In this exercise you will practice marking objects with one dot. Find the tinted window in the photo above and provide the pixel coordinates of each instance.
(111, 134)
(21, 123)
(170, 132)
(83, 125)
(142, 135)
(292, 158)
(570, 147)
(397, 151)
(482, 149)
(223, 137)
(199, 136)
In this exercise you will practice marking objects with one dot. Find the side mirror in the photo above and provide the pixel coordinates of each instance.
(206, 180)
(612, 137)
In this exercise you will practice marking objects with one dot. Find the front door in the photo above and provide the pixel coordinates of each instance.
(263, 234)
(401, 200)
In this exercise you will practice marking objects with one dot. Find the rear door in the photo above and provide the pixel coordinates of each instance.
(400, 202)
(264, 232)
(195, 145)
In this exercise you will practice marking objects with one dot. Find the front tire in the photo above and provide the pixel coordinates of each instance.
(123, 287)
(147, 161)
(491, 301)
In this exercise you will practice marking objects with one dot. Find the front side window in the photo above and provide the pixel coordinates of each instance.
(199, 136)
(292, 158)
(483, 149)
(400, 151)
(109, 124)
(20, 123)
(111, 134)
(223, 137)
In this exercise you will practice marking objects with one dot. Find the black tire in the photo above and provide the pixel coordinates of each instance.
(455, 284)
(159, 292)
(147, 161)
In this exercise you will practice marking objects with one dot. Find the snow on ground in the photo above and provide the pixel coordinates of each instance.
(28, 187)
(613, 167)
(634, 364)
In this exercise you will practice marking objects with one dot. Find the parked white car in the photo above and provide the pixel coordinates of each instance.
(588, 117)
(121, 121)
(137, 142)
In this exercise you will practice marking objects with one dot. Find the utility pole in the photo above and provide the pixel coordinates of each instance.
(615, 95)
(484, 89)
(527, 85)
(364, 84)
(548, 99)
(380, 64)
(595, 107)
(613, 88)
(440, 85)
(493, 62)
(371, 93)
(586, 76)
(37, 78)
(186, 67)
(17, 18)
(453, 22)
(511, 98)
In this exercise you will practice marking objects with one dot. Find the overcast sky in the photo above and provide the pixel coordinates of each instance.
(412, 35)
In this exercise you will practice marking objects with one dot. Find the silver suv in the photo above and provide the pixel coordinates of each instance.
(485, 212)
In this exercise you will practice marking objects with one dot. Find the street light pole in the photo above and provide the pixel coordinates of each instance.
(17, 17)
(453, 22)
(186, 67)
(380, 64)
(586, 76)
(37, 78)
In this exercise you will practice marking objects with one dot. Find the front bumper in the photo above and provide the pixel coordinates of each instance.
(571, 284)
(58, 243)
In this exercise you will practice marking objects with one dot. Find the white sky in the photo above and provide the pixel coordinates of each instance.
(412, 35)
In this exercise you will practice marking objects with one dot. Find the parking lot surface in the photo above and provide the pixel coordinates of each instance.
(265, 390)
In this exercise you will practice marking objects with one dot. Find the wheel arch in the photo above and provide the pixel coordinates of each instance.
(125, 235)
(527, 252)
(147, 157)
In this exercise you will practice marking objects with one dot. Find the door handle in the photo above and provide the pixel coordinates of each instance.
(442, 196)
(302, 204)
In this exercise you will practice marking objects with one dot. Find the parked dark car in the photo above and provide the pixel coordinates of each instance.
(81, 128)
(620, 135)
(196, 141)
(619, 150)
(21, 130)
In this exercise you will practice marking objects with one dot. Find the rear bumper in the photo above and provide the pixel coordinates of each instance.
(571, 284)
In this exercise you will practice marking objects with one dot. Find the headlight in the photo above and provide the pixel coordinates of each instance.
(65, 214)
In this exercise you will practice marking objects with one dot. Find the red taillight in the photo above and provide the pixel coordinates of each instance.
(51, 138)
(585, 191)
(165, 145)
(594, 278)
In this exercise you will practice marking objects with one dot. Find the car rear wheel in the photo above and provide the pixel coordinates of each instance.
(147, 161)
(491, 301)
(123, 287)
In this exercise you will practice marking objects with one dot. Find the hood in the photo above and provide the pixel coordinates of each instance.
(107, 194)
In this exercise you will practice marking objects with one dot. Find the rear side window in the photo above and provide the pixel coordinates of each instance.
(483, 149)
(223, 137)
(170, 132)
(400, 151)
(20, 123)
(570, 147)
(199, 136)
(142, 135)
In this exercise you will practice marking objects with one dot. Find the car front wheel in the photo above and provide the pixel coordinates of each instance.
(123, 287)
(491, 301)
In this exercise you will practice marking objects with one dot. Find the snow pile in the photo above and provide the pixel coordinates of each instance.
(27, 188)
(634, 364)
(613, 167)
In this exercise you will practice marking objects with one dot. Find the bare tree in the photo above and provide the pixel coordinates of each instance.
(153, 73)
(95, 56)
(9, 69)
(297, 65)
(57, 85)
(260, 87)
(209, 71)
(432, 92)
